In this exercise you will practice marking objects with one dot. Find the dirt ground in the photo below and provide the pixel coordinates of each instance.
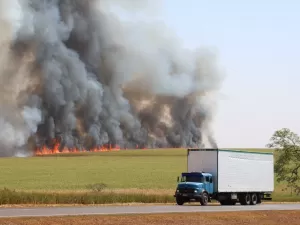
(228, 218)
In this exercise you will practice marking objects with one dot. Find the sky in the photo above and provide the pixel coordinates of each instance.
(258, 45)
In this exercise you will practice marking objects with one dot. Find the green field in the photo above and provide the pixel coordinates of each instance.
(130, 171)
(146, 169)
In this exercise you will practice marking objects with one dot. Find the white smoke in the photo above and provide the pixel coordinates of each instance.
(92, 78)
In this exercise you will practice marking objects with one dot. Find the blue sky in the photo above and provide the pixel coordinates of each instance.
(259, 46)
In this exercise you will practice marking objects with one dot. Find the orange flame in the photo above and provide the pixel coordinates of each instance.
(44, 150)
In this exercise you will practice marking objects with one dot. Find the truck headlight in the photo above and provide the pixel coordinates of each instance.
(195, 191)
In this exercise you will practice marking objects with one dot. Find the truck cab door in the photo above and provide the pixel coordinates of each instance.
(208, 184)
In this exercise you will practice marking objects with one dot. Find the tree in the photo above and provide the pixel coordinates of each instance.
(287, 166)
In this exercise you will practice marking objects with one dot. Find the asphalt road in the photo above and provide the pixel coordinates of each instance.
(114, 210)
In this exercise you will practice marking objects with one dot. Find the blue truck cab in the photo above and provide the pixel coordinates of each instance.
(194, 186)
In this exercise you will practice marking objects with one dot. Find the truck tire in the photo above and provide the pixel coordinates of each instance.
(179, 201)
(245, 199)
(253, 199)
(204, 199)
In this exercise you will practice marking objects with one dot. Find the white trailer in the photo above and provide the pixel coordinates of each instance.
(236, 176)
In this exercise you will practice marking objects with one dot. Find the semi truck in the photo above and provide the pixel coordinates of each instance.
(227, 176)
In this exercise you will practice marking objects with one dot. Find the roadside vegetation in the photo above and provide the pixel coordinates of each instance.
(9, 197)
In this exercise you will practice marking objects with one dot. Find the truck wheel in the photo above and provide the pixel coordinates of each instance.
(204, 199)
(179, 201)
(245, 199)
(253, 199)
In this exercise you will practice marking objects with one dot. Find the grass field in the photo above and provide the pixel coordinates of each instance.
(238, 218)
(142, 172)
(144, 169)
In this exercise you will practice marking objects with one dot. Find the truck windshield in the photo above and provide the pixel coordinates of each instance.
(199, 179)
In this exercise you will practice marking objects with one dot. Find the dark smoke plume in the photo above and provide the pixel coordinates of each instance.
(74, 70)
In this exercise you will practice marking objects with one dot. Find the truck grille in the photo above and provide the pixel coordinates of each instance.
(186, 190)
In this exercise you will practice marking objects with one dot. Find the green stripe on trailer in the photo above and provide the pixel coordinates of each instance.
(236, 151)
(250, 152)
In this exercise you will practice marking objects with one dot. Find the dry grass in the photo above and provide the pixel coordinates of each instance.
(9, 197)
(230, 218)
(154, 191)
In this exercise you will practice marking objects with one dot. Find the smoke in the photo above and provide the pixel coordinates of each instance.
(77, 71)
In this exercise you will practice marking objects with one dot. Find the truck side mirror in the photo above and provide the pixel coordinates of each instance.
(177, 179)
